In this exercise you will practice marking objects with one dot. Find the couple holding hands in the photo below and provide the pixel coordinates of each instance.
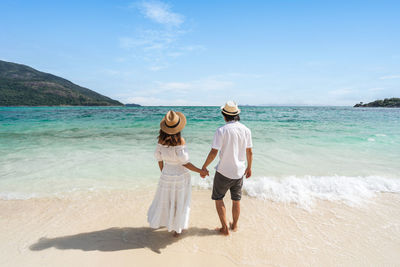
(171, 204)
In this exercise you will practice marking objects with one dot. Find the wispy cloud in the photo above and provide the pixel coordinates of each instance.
(389, 77)
(150, 40)
(161, 13)
(155, 47)
(341, 92)
(159, 93)
(376, 89)
(155, 101)
(207, 84)
(239, 75)
(158, 46)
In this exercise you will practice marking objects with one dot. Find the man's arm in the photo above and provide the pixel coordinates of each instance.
(211, 156)
(249, 156)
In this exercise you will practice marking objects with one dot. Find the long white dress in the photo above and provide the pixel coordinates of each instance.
(171, 204)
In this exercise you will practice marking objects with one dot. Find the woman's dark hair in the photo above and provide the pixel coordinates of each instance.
(169, 139)
(231, 118)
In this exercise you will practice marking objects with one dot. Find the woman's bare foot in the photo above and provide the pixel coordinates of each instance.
(234, 228)
(222, 230)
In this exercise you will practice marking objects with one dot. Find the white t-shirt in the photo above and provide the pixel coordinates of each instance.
(231, 140)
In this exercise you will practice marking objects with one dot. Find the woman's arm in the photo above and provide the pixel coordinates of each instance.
(191, 167)
(161, 165)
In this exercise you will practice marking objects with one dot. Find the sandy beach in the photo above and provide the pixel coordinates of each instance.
(110, 229)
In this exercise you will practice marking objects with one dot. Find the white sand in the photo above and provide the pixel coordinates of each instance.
(110, 229)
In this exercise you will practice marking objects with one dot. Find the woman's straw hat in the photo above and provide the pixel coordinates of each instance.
(173, 122)
(230, 108)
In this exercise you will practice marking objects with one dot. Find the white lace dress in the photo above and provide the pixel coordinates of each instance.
(171, 204)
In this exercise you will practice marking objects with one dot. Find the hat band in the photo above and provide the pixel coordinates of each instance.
(233, 113)
(173, 126)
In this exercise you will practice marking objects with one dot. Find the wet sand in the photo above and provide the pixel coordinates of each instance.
(110, 229)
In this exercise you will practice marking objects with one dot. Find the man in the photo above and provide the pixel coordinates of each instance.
(233, 141)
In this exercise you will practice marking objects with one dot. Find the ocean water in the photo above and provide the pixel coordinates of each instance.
(300, 153)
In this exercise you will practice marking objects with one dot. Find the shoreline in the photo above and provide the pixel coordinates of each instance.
(110, 228)
(303, 191)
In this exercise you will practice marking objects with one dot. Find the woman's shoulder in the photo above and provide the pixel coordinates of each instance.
(183, 143)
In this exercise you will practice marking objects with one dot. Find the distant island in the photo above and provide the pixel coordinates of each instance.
(21, 85)
(132, 105)
(385, 103)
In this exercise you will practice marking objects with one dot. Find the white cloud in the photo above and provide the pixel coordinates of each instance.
(157, 67)
(157, 46)
(154, 101)
(376, 89)
(127, 42)
(161, 13)
(341, 92)
(150, 40)
(193, 48)
(238, 75)
(120, 59)
(174, 86)
(208, 84)
(389, 77)
(164, 93)
(314, 63)
(117, 73)
(146, 101)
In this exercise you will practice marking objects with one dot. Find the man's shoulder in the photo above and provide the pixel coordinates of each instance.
(232, 126)
(220, 128)
(241, 125)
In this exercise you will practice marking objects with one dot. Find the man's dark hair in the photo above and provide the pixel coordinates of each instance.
(231, 118)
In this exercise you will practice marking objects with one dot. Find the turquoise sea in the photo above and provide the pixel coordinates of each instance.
(300, 153)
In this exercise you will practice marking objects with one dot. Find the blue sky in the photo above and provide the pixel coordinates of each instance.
(206, 52)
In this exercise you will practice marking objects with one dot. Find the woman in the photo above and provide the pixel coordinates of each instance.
(171, 204)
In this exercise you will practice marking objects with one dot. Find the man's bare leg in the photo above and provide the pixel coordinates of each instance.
(235, 214)
(219, 204)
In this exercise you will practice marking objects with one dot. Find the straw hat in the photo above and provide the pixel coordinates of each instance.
(230, 108)
(173, 122)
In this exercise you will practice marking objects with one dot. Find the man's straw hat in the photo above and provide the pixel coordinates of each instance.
(173, 122)
(230, 108)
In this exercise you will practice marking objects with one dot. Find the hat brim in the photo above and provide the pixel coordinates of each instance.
(230, 113)
(176, 129)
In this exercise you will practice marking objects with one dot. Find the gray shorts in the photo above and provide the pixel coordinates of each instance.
(223, 183)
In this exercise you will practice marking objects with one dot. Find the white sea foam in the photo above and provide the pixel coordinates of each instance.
(304, 191)
(16, 195)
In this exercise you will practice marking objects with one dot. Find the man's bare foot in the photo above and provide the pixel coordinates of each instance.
(176, 234)
(222, 230)
(234, 228)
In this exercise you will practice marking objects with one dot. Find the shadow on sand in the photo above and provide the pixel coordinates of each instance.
(114, 239)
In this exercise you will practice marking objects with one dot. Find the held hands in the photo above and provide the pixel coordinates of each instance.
(204, 172)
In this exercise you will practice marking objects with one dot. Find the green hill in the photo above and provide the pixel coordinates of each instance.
(385, 103)
(21, 85)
